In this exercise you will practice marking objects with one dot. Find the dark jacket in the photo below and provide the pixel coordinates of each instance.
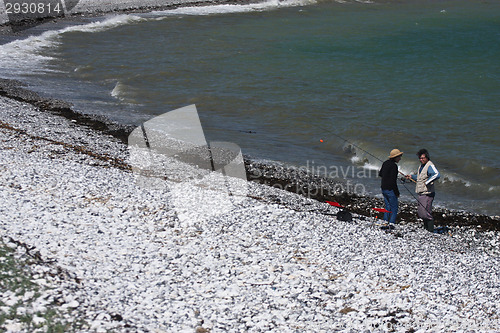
(389, 174)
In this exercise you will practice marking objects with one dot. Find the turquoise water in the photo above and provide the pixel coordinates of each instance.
(406, 75)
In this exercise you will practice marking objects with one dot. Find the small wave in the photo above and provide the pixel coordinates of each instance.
(109, 23)
(361, 158)
(82, 68)
(355, 159)
(452, 178)
(494, 189)
(370, 166)
(25, 55)
(229, 8)
(117, 91)
(124, 93)
(20, 56)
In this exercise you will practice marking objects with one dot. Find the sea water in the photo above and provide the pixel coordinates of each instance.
(331, 86)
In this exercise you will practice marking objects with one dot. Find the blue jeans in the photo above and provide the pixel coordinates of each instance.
(391, 204)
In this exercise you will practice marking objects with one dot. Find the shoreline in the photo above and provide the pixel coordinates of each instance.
(288, 179)
(111, 256)
(119, 257)
(99, 9)
(291, 180)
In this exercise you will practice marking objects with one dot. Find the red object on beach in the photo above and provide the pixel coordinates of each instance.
(381, 210)
(336, 204)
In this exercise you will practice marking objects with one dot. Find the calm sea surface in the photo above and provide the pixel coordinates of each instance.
(362, 77)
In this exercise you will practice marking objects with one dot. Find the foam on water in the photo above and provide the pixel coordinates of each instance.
(283, 80)
(118, 90)
(230, 9)
(24, 56)
(20, 56)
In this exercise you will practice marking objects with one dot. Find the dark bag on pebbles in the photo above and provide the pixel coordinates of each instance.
(344, 215)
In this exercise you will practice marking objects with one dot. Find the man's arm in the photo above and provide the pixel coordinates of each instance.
(433, 174)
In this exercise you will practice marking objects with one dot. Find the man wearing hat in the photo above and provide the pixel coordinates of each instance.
(389, 174)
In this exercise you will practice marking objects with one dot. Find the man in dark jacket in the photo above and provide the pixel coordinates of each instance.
(389, 174)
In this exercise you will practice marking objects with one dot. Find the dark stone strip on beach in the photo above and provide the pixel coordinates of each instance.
(291, 179)
(297, 180)
(16, 90)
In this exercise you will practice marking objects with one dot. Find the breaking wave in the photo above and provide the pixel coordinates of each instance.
(229, 8)
(25, 55)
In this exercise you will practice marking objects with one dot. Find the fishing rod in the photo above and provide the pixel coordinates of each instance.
(353, 144)
(367, 152)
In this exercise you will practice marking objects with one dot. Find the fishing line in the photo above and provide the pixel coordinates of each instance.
(349, 142)
(353, 144)
(363, 150)
(367, 152)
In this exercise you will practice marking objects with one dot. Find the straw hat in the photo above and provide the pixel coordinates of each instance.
(395, 153)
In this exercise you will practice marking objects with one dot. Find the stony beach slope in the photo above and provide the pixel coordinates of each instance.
(295, 180)
(117, 257)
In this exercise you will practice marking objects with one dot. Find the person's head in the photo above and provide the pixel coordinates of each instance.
(396, 155)
(423, 156)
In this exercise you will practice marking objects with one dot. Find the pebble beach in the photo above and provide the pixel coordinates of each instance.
(117, 256)
(113, 256)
